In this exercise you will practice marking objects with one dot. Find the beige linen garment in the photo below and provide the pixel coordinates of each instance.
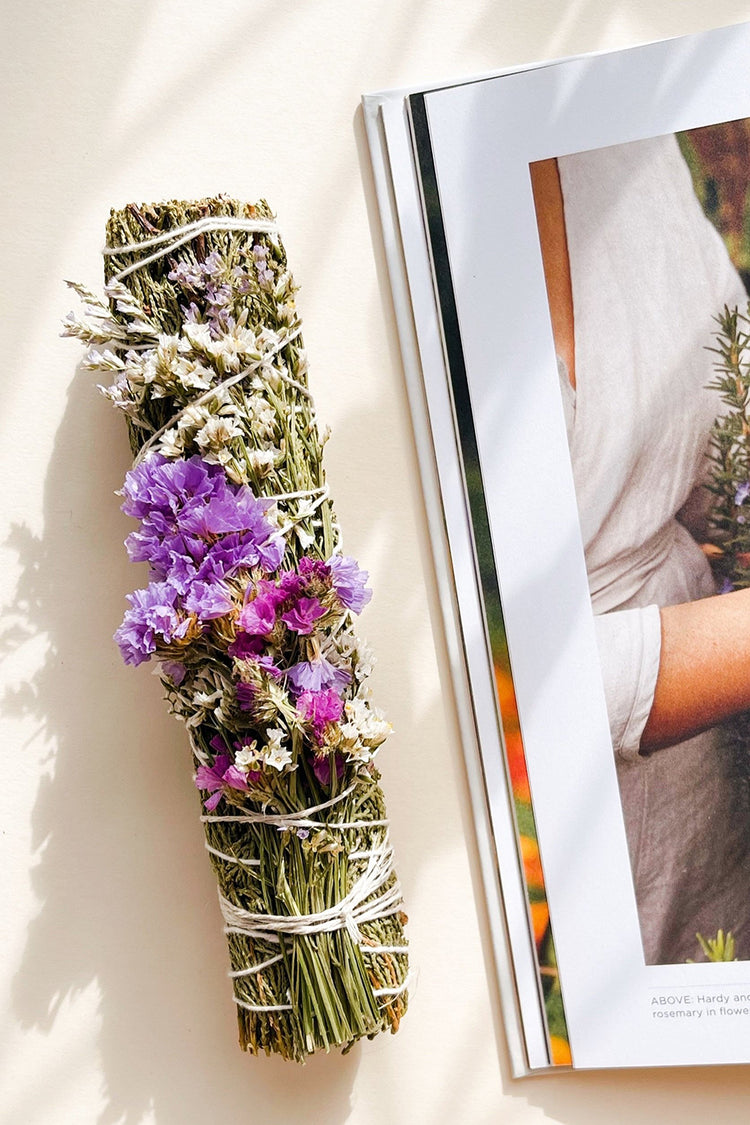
(649, 274)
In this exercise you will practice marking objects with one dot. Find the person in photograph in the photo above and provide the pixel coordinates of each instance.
(636, 276)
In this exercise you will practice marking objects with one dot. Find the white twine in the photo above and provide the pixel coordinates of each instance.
(231, 858)
(356, 908)
(300, 495)
(305, 515)
(281, 820)
(383, 948)
(341, 824)
(393, 991)
(397, 990)
(288, 1007)
(255, 968)
(169, 240)
(262, 1007)
(243, 933)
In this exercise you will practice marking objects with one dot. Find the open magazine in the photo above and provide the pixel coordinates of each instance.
(567, 244)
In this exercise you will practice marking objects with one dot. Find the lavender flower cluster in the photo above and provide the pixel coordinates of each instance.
(212, 289)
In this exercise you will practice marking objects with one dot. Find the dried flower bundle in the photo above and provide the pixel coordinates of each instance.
(249, 612)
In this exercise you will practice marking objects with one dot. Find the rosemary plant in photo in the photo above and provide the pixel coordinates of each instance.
(730, 454)
(729, 550)
(249, 611)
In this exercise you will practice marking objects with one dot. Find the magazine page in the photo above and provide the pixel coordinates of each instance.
(584, 239)
(512, 915)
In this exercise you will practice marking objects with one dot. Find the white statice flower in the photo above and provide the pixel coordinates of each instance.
(233, 468)
(286, 313)
(172, 444)
(363, 729)
(222, 456)
(270, 373)
(93, 329)
(213, 696)
(128, 305)
(198, 335)
(168, 372)
(224, 354)
(365, 660)
(167, 350)
(120, 395)
(102, 360)
(194, 418)
(203, 703)
(244, 340)
(247, 757)
(267, 340)
(275, 753)
(262, 417)
(261, 461)
(149, 373)
(192, 375)
(218, 432)
(283, 284)
(227, 350)
(135, 368)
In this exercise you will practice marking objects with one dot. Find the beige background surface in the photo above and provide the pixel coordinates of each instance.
(115, 1004)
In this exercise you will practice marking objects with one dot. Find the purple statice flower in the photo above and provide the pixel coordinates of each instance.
(218, 297)
(241, 280)
(267, 664)
(182, 568)
(302, 616)
(236, 778)
(316, 675)
(169, 554)
(260, 258)
(212, 779)
(245, 645)
(222, 774)
(289, 585)
(213, 265)
(171, 487)
(208, 600)
(319, 708)
(188, 275)
(151, 619)
(246, 692)
(313, 568)
(726, 587)
(742, 493)
(258, 617)
(175, 670)
(195, 523)
(245, 695)
(239, 552)
(350, 582)
(321, 765)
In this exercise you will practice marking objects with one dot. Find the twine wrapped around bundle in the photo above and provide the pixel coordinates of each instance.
(249, 611)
